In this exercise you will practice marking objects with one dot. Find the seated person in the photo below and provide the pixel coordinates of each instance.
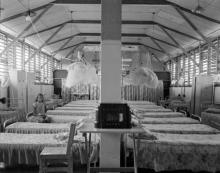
(39, 112)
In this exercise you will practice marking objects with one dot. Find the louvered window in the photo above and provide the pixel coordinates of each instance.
(3, 58)
(197, 59)
(173, 70)
(191, 69)
(186, 70)
(26, 57)
(18, 56)
(204, 61)
(50, 69)
(37, 68)
(213, 59)
(31, 61)
(11, 54)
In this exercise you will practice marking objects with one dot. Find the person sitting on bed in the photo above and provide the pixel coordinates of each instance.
(39, 110)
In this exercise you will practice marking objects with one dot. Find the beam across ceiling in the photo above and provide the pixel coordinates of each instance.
(126, 22)
(64, 45)
(193, 13)
(98, 42)
(160, 47)
(23, 13)
(26, 29)
(44, 44)
(180, 47)
(141, 2)
(123, 35)
(128, 2)
(210, 43)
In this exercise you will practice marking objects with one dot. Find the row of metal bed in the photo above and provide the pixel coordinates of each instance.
(175, 142)
(172, 141)
(22, 142)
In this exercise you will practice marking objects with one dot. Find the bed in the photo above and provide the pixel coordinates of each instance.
(146, 107)
(76, 108)
(159, 114)
(17, 114)
(66, 118)
(70, 112)
(211, 117)
(179, 143)
(140, 103)
(25, 148)
(169, 152)
(174, 120)
(181, 128)
(37, 128)
(153, 110)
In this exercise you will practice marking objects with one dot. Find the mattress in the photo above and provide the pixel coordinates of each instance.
(211, 119)
(25, 148)
(194, 152)
(76, 108)
(65, 119)
(140, 103)
(153, 110)
(181, 128)
(160, 114)
(137, 107)
(37, 128)
(175, 120)
(70, 112)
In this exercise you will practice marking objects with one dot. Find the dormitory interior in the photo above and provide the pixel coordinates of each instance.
(109, 86)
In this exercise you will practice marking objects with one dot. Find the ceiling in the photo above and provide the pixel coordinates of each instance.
(156, 24)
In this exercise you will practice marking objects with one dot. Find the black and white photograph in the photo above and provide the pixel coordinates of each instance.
(125, 86)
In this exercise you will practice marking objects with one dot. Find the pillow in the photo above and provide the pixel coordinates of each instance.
(214, 106)
(146, 136)
(213, 110)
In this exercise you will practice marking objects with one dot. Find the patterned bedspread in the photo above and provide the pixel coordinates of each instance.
(160, 114)
(65, 119)
(70, 112)
(140, 103)
(212, 119)
(154, 110)
(181, 128)
(25, 148)
(143, 108)
(37, 128)
(195, 152)
(175, 120)
(76, 108)
(18, 115)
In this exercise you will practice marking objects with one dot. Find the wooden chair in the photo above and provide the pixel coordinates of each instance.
(58, 159)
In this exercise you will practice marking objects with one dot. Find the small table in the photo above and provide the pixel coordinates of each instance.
(114, 132)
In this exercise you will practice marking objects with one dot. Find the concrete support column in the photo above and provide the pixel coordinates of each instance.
(111, 51)
(110, 75)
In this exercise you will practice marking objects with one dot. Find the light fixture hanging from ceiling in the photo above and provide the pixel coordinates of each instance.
(30, 14)
(199, 9)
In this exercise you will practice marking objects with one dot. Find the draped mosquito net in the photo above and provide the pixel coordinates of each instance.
(141, 72)
(81, 73)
